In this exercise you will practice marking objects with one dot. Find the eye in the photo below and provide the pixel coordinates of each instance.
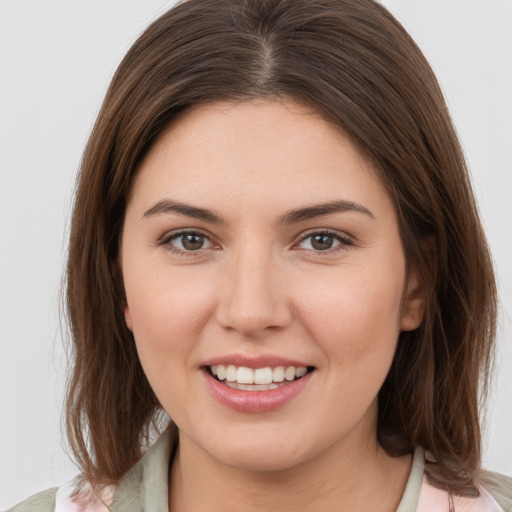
(187, 242)
(323, 241)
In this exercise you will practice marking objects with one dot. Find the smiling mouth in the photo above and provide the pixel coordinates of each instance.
(258, 379)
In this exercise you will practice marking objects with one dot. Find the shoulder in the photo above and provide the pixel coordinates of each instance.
(77, 496)
(143, 487)
(499, 487)
(420, 495)
(69, 497)
(495, 496)
(41, 502)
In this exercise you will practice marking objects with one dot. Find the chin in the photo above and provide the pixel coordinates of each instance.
(245, 460)
(264, 455)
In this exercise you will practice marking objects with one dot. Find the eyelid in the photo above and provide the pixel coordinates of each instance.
(165, 241)
(345, 241)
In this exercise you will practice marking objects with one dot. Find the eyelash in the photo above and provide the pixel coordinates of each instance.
(344, 242)
(168, 238)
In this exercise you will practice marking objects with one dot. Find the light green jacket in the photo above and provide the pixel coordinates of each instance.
(145, 489)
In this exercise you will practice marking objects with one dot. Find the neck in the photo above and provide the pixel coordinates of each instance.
(341, 478)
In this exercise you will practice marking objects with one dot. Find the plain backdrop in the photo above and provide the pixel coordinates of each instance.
(56, 59)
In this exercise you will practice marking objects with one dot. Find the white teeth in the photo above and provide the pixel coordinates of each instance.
(245, 375)
(231, 373)
(266, 377)
(278, 374)
(252, 387)
(221, 372)
(300, 372)
(289, 373)
(263, 376)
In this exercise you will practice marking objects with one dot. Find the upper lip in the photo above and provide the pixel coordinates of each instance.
(261, 361)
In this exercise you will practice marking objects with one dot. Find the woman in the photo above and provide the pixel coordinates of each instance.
(275, 243)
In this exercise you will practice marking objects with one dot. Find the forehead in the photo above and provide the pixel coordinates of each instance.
(256, 150)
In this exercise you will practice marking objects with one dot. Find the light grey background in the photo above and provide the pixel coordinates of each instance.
(56, 59)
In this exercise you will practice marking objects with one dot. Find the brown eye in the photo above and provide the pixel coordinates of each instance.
(321, 242)
(187, 241)
(324, 241)
(192, 241)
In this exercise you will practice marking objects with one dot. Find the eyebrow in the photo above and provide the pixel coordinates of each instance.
(318, 210)
(167, 206)
(291, 217)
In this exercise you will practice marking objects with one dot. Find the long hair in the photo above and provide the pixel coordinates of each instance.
(355, 64)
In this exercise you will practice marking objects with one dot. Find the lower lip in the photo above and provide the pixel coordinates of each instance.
(255, 401)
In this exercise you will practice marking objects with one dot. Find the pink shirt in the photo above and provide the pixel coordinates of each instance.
(432, 499)
(419, 495)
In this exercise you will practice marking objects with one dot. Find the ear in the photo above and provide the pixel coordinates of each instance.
(417, 289)
(414, 302)
(128, 317)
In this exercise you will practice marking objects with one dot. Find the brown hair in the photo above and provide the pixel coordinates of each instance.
(356, 65)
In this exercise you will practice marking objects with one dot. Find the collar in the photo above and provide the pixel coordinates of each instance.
(146, 487)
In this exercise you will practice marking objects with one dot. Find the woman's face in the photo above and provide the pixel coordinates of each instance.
(258, 244)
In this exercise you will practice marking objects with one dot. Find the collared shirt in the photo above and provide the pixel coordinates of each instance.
(145, 488)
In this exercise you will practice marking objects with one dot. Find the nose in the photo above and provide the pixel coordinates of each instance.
(254, 299)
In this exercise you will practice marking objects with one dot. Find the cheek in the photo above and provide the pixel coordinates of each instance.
(355, 322)
(168, 315)
(167, 311)
(355, 319)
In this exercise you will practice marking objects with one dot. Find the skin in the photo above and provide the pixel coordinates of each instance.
(257, 286)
